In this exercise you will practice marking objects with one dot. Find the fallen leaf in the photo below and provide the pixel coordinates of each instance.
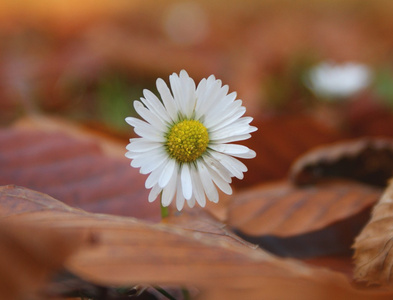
(121, 251)
(339, 263)
(89, 171)
(278, 142)
(74, 170)
(373, 247)
(302, 221)
(198, 219)
(368, 160)
(28, 260)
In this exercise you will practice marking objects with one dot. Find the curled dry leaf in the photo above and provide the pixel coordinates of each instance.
(124, 251)
(368, 160)
(302, 221)
(374, 245)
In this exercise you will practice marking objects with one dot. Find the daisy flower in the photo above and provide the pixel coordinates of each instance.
(185, 140)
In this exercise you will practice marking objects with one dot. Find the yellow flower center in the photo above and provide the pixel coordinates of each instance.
(187, 140)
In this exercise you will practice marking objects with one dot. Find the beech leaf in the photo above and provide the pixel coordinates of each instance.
(73, 168)
(374, 246)
(30, 252)
(122, 251)
(302, 221)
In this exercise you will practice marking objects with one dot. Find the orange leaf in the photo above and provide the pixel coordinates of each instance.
(123, 251)
(30, 253)
(305, 221)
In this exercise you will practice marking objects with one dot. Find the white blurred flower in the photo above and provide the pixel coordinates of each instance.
(184, 140)
(338, 80)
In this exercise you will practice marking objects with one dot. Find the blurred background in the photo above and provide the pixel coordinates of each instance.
(87, 60)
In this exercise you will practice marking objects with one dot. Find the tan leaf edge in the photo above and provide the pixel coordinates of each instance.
(123, 251)
(374, 245)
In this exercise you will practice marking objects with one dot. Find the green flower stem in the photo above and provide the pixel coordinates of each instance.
(164, 212)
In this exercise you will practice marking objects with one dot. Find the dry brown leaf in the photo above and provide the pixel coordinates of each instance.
(278, 143)
(373, 247)
(123, 251)
(339, 263)
(198, 219)
(73, 169)
(27, 260)
(302, 221)
(368, 160)
(282, 209)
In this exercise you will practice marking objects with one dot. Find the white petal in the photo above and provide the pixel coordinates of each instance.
(155, 105)
(197, 188)
(155, 175)
(169, 191)
(189, 95)
(201, 86)
(230, 149)
(145, 130)
(235, 138)
(150, 117)
(177, 92)
(231, 97)
(205, 90)
(133, 121)
(231, 111)
(135, 155)
(152, 164)
(142, 145)
(234, 150)
(154, 192)
(220, 182)
(219, 103)
(167, 172)
(147, 161)
(236, 128)
(233, 165)
(224, 118)
(186, 182)
(248, 155)
(179, 197)
(144, 156)
(190, 101)
(207, 97)
(210, 189)
(215, 165)
(236, 124)
(191, 202)
(253, 129)
(167, 98)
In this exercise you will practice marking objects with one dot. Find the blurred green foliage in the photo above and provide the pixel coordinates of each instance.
(114, 98)
(104, 101)
(383, 84)
(285, 86)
